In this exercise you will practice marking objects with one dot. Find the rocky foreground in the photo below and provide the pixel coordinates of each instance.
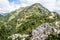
(40, 33)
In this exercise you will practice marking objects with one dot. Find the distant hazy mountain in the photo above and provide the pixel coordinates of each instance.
(1, 15)
(26, 19)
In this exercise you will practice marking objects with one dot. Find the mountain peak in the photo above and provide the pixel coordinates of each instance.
(37, 4)
(41, 8)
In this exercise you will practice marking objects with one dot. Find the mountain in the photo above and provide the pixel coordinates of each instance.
(1, 15)
(26, 19)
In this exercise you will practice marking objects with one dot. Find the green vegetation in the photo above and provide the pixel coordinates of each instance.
(25, 20)
(28, 38)
(53, 37)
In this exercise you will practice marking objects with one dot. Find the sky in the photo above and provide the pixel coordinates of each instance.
(11, 5)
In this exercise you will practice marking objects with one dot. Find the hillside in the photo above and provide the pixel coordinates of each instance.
(26, 19)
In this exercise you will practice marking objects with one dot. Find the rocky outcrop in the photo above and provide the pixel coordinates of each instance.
(42, 32)
(57, 23)
(14, 36)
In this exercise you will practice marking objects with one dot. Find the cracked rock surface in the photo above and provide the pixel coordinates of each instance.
(42, 32)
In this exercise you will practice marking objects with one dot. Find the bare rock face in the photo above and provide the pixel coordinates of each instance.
(42, 32)
(57, 23)
(14, 36)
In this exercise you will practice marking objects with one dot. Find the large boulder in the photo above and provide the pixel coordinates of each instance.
(42, 32)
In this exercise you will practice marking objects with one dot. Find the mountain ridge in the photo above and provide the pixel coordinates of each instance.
(25, 20)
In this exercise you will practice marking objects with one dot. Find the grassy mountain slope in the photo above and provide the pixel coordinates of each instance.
(26, 19)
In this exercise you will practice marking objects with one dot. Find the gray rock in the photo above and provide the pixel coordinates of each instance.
(42, 31)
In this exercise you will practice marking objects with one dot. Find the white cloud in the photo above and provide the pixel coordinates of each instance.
(30, 1)
(6, 6)
(50, 4)
(58, 5)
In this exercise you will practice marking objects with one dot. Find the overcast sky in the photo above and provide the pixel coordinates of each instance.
(11, 5)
